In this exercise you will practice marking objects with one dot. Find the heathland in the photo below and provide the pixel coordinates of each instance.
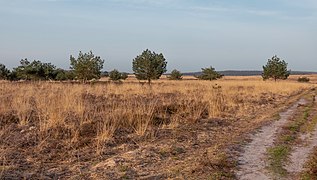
(132, 130)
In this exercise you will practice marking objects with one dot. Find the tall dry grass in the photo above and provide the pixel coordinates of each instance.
(77, 113)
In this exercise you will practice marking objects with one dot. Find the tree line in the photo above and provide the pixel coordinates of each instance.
(146, 66)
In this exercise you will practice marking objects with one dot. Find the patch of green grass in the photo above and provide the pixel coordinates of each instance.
(306, 113)
(306, 176)
(278, 155)
(299, 122)
(125, 176)
(123, 168)
(294, 127)
(310, 126)
(177, 150)
(288, 138)
(164, 152)
(277, 116)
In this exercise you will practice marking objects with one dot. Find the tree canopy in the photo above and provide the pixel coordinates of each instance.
(4, 72)
(62, 75)
(276, 69)
(149, 66)
(209, 74)
(35, 70)
(87, 66)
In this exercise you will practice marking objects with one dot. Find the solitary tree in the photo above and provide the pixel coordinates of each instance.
(87, 66)
(276, 69)
(115, 75)
(175, 75)
(209, 74)
(149, 66)
(4, 72)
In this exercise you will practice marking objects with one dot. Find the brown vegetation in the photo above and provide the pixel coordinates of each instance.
(130, 130)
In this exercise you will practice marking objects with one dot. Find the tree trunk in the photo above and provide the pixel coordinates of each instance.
(149, 81)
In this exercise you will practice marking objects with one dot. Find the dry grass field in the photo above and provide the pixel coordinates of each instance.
(129, 130)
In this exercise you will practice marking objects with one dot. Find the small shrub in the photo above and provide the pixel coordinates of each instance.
(209, 74)
(175, 75)
(124, 76)
(115, 75)
(303, 79)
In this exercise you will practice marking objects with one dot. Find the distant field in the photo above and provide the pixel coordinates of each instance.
(131, 130)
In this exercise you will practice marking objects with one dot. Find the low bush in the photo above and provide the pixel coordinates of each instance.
(303, 79)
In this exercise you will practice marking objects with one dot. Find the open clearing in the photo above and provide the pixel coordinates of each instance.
(178, 130)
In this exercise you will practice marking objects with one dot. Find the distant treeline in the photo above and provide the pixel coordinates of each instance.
(86, 67)
(146, 66)
(247, 73)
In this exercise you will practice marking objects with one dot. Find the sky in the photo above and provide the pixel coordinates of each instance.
(191, 34)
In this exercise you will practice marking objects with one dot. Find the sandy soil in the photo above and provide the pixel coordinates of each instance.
(301, 152)
(252, 162)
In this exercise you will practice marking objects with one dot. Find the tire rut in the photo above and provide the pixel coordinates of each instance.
(252, 162)
(301, 152)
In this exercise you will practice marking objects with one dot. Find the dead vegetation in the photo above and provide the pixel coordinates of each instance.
(114, 130)
(310, 171)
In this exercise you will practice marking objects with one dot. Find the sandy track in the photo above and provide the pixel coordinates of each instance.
(300, 153)
(252, 162)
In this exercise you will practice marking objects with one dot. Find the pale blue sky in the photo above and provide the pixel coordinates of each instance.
(191, 34)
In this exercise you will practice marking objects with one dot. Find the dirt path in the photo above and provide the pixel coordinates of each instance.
(252, 162)
(301, 152)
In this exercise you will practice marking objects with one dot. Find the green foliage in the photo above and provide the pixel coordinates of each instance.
(209, 74)
(303, 79)
(279, 153)
(115, 75)
(4, 72)
(149, 65)
(70, 75)
(124, 76)
(48, 71)
(278, 156)
(175, 75)
(13, 76)
(60, 74)
(276, 69)
(63, 75)
(35, 70)
(87, 66)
